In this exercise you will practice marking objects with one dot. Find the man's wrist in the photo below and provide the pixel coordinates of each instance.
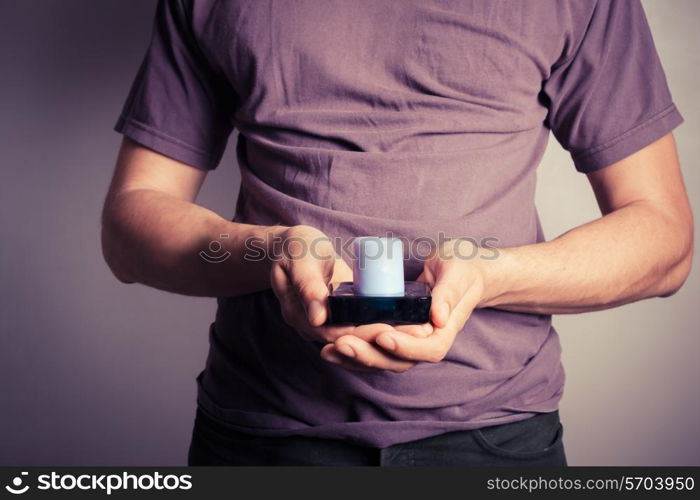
(272, 240)
(493, 267)
(489, 264)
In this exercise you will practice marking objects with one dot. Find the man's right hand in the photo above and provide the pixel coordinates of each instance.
(153, 233)
(300, 279)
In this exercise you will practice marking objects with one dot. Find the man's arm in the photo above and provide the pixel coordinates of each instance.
(641, 247)
(153, 232)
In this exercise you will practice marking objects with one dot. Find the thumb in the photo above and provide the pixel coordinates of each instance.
(448, 289)
(308, 278)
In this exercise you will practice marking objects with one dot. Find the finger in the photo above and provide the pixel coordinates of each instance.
(441, 300)
(432, 348)
(332, 333)
(303, 281)
(308, 278)
(368, 355)
(294, 314)
(341, 271)
(426, 276)
(280, 282)
(329, 334)
(330, 353)
(367, 332)
(284, 288)
(419, 330)
(291, 307)
(402, 345)
(450, 286)
(288, 299)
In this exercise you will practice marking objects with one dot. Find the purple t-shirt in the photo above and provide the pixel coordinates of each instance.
(413, 117)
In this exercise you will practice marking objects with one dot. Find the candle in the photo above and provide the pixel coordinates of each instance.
(378, 267)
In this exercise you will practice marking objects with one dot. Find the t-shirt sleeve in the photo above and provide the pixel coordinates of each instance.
(178, 105)
(610, 98)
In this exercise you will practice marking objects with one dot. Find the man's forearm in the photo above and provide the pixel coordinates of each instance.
(632, 253)
(155, 239)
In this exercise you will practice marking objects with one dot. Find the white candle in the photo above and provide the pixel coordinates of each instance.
(378, 266)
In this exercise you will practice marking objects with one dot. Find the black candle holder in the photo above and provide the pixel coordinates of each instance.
(347, 307)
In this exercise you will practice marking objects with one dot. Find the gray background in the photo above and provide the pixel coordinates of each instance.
(94, 372)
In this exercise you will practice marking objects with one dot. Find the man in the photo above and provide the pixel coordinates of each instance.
(426, 120)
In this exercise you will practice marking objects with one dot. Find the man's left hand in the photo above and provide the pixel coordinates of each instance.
(455, 273)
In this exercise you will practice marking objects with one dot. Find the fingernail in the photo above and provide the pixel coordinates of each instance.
(444, 311)
(387, 342)
(345, 350)
(332, 357)
(315, 309)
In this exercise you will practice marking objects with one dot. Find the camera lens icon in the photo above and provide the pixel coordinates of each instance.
(16, 487)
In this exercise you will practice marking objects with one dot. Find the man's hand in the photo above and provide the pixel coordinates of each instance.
(300, 280)
(456, 276)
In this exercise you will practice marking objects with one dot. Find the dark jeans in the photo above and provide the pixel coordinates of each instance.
(534, 441)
